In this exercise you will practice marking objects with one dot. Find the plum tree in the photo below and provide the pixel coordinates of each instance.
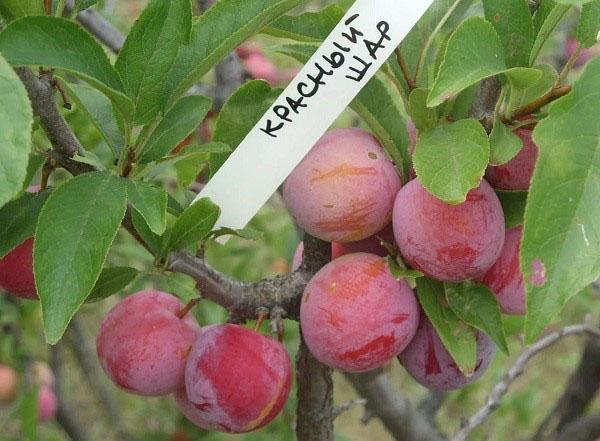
(143, 345)
(8, 384)
(236, 380)
(516, 174)
(47, 404)
(505, 278)
(450, 243)
(344, 189)
(355, 316)
(427, 360)
(370, 245)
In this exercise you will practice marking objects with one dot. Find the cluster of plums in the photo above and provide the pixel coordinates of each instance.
(354, 314)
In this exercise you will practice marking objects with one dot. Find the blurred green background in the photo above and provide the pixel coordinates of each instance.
(21, 337)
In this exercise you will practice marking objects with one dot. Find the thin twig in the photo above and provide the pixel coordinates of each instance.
(405, 69)
(343, 408)
(493, 402)
(556, 93)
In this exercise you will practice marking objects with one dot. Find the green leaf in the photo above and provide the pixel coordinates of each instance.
(100, 111)
(458, 337)
(194, 224)
(80, 5)
(450, 160)
(505, 144)
(474, 53)
(400, 272)
(61, 44)
(538, 89)
(574, 2)
(177, 124)
(550, 22)
(588, 31)
(111, 281)
(19, 218)
(476, 305)
(513, 205)
(378, 104)
(523, 77)
(244, 233)
(33, 167)
(514, 23)
(310, 26)
(156, 243)
(16, 120)
(217, 33)
(75, 230)
(13, 9)
(150, 202)
(239, 115)
(423, 117)
(28, 411)
(563, 257)
(149, 53)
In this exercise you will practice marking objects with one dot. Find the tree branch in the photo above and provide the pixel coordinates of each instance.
(485, 102)
(584, 429)
(431, 405)
(397, 414)
(99, 27)
(493, 402)
(581, 389)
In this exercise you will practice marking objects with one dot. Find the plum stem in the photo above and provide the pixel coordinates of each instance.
(187, 308)
(261, 316)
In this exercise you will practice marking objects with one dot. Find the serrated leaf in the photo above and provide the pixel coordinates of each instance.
(551, 20)
(451, 159)
(540, 88)
(458, 337)
(505, 144)
(100, 111)
(310, 26)
(474, 53)
(514, 24)
(378, 104)
(151, 202)
(16, 120)
(588, 31)
(423, 117)
(194, 224)
(513, 206)
(177, 124)
(239, 115)
(61, 44)
(244, 233)
(75, 230)
(476, 305)
(149, 53)
(111, 281)
(563, 257)
(216, 33)
(19, 218)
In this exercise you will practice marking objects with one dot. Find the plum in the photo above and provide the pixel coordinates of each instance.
(47, 404)
(369, 245)
(446, 242)
(505, 278)
(355, 315)
(428, 362)
(344, 189)
(516, 174)
(8, 384)
(143, 345)
(236, 380)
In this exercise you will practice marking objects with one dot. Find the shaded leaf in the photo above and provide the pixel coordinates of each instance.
(194, 224)
(111, 281)
(151, 202)
(505, 144)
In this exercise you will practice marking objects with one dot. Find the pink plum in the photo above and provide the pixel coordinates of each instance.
(47, 404)
(516, 174)
(344, 189)
(427, 360)
(355, 315)
(8, 384)
(446, 242)
(505, 278)
(236, 380)
(143, 345)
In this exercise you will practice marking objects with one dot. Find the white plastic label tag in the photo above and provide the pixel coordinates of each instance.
(336, 73)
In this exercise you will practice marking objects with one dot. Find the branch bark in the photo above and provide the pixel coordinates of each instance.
(583, 429)
(493, 402)
(397, 414)
(581, 389)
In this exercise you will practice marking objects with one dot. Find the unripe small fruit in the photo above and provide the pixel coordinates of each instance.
(259, 67)
(355, 315)
(236, 380)
(516, 174)
(47, 404)
(427, 360)
(42, 374)
(505, 278)
(8, 384)
(143, 346)
(344, 189)
(446, 242)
